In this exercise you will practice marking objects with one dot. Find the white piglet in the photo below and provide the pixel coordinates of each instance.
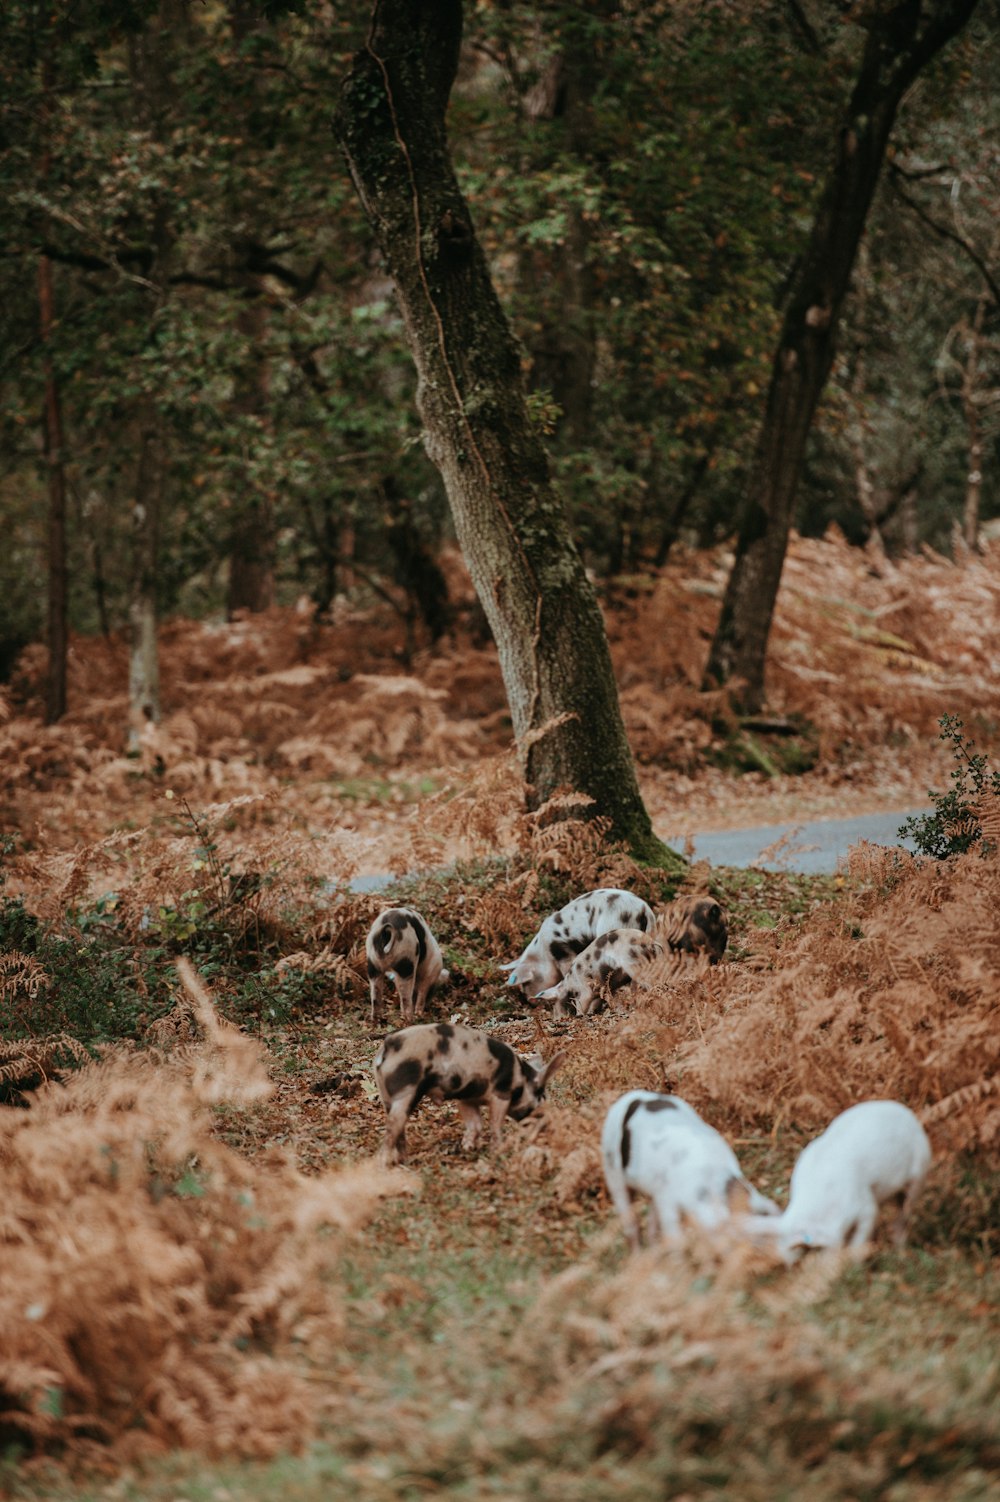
(568, 932)
(658, 1146)
(868, 1154)
(401, 944)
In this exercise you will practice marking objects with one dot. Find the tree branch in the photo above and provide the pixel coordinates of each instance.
(805, 28)
(944, 232)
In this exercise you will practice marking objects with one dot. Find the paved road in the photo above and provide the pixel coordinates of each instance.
(810, 849)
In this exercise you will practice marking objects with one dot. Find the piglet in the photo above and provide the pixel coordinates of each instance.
(611, 962)
(447, 1061)
(568, 932)
(658, 1145)
(867, 1155)
(696, 925)
(400, 944)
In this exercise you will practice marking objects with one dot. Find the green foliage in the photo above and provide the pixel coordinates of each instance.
(99, 987)
(954, 826)
(108, 976)
(641, 178)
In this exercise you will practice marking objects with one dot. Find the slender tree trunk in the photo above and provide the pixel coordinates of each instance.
(863, 483)
(902, 38)
(144, 671)
(973, 428)
(509, 520)
(52, 434)
(251, 538)
(55, 697)
(251, 558)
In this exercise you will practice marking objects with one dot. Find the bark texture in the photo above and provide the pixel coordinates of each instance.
(58, 633)
(901, 40)
(509, 520)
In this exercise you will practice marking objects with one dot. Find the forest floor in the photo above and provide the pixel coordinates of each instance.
(211, 1289)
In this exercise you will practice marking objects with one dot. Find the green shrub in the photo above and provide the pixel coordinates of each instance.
(98, 986)
(954, 827)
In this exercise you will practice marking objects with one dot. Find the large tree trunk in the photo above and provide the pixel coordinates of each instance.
(902, 39)
(509, 520)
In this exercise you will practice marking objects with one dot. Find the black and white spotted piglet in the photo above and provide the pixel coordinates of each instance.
(568, 932)
(447, 1061)
(610, 963)
(696, 925)
(658, 1146)
(400, 944)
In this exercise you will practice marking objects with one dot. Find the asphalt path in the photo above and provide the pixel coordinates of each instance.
(812, 848)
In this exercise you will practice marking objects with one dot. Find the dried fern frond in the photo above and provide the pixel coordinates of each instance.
(158, 1288)
(21, 976)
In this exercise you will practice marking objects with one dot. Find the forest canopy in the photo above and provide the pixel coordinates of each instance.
(225, 347)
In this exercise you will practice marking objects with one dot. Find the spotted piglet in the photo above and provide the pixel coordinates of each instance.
(610, 963)
(658, 1146)
(400, 944)
(568, 932)
(447, 1061)
(696, 925)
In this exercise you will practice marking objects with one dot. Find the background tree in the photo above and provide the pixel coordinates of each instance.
(509, 519)
(901, 39)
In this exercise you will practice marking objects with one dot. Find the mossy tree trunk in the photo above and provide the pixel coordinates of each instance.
(510, 522)
(902, 39)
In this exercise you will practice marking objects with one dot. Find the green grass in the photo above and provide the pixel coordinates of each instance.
(374, 789)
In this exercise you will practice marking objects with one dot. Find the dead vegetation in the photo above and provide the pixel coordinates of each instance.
(278, 702)
(890, 993)
(159, 1288)
(175, 1238)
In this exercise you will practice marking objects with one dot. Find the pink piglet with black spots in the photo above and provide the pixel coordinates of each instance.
(401, 944)
(448, 1061)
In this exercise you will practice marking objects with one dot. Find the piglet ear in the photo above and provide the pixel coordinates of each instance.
(510, 965)
(548, 995)
(556, 1062)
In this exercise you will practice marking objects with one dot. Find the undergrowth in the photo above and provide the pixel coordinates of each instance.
(954, 826)
(180, 1279)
